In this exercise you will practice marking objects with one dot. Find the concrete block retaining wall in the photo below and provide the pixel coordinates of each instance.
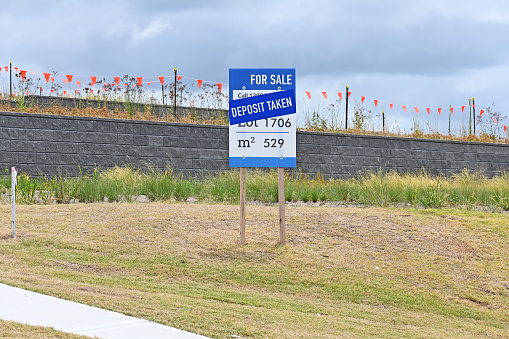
(50, 144)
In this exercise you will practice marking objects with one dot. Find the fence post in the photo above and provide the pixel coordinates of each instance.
(470, 117)
(473, 105)
(10, 80)
(175, 94)
(14, 182)
(383, 121)
(346, 118)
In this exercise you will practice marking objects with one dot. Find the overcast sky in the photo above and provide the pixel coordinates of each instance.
(413, 53)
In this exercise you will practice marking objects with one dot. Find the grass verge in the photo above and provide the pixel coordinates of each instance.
(465, 190)
(345, 272)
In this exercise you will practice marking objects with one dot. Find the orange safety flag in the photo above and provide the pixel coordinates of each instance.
(32, 72)
(481, 112)
(427, 109)
(94, 79)
(220, 86)
(27, 93)
(140, 79)
(52, 79)
(340, 96)
(362, 99)
(77, 91)
(462, 109)
(495, 120)
(179, 77)
(46, 76)
(505, 128)
(391, 105)
(161, 79)
(376, 103)
(308, 93)
(404, 107)
(452, 110)
(65, 81)
(23, 73)
(439, 111)
(79, 85)
(52, 91)
(65, 92)
(69, 77)
(417, 109)
(148, 83)
(117, 79)
(6, 68)
(324, 95)
(349, 93)
(16, 68)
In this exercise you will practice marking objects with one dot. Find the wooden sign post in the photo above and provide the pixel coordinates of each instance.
(281, 194)
(242, 206)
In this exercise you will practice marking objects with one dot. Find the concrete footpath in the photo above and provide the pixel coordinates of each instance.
(38, 309)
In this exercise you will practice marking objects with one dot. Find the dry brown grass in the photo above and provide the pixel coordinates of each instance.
(345, 272)
(10, 329)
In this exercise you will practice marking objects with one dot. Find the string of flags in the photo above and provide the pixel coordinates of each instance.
(139, 82)
(404, 107)
(69, 77)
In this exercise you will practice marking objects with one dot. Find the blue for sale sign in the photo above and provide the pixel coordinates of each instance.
(262, 116)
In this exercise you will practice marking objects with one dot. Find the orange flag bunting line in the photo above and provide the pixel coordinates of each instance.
(65, 81)
(6, 68)
(349, 93)
(452, 110)
(161, 80)
(376, 103)
(148, 83)
(65, 92)
(340, 96)
(309, 94)
(140, 79)
(199, 83)
(79, 84)
(52, 79)
(23, 73)
(481, 112)
(404, 107)
(69, 77)
(94, 80)
(391, 106)
(219, 86)
(495, 120)
(427, 109)
(179, 77)
(439, 111)
(505, 128)
(462, 109)
(324, 95)
(117, 80)
(417, 109)
(362, 99)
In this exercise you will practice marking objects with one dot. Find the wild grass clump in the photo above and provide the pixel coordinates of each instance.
(466, 190)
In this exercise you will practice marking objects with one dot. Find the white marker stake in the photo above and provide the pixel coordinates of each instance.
(14, 181)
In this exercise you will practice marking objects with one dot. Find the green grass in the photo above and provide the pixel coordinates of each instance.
(466, 190)
(345, 272)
